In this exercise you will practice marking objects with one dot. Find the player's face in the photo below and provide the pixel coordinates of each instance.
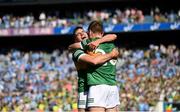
(80, 34)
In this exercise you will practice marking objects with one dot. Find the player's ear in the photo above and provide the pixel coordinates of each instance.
(102, 33)
(90, 33)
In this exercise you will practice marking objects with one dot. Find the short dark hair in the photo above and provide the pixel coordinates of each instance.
(96, 27)
(77, 28)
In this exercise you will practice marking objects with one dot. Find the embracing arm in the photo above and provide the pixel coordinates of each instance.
(99, 59)
(74, 46)
(106, 38)
(94, 44)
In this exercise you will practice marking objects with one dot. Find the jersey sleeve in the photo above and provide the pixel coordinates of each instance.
(84, 44)
(77, 54)
(112, 45)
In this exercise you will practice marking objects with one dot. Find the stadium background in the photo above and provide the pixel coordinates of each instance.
(53, 44)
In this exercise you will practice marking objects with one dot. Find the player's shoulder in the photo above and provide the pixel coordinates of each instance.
(77, 51)
(107, 44)
(86, 41)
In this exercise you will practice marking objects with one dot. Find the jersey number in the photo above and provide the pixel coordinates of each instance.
(112, 61)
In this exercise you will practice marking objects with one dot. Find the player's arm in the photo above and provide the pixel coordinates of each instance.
(106, 38)
(79, 45)
(74, 46)
(94, 44)
(99, 59)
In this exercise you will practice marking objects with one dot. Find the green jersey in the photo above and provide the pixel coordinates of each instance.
(81, 69)
(103, 74)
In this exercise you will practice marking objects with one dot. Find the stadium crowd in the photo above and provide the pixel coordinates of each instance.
(37, 81)
(47, 81)
(148, 76)
(111, 16)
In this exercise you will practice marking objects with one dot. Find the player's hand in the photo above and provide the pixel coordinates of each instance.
(93, 45)
(115, 53)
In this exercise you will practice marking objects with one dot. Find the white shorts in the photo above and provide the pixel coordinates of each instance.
(103, 96)
(82, 100)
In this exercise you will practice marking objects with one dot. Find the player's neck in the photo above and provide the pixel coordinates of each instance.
(96, 36)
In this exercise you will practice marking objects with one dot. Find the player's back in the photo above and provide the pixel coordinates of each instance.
(103, 74)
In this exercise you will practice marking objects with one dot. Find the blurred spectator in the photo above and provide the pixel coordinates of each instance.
(117, 16)
(42, 18)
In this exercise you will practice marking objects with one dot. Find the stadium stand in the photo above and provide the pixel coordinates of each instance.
(107, 16)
